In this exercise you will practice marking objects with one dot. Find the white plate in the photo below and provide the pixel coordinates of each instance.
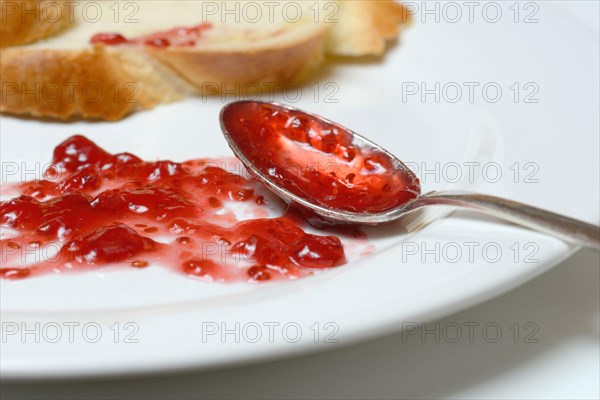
(166, 321)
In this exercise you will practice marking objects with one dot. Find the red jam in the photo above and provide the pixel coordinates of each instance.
(176, 37)
(97, 208)
(318, 161)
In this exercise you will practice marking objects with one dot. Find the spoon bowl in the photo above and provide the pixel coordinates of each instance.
(300, 198)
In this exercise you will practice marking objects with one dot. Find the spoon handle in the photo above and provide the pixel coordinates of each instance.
(568, 229)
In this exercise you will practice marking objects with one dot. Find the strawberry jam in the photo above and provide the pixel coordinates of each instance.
(176, 37)
(318, 160)
(95, 208)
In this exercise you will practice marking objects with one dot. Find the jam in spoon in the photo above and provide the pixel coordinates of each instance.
(334, 173)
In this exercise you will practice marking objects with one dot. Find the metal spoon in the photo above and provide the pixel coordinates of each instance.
(568, 229)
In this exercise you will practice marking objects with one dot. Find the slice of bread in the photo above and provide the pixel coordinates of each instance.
(244, 42)
(367, 26)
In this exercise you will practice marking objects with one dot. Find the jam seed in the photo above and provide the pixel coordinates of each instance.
(139, 264)
(214, 202)
(184, 240)
(259, 273)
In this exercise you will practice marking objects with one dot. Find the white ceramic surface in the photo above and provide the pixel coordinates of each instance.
(172, 316)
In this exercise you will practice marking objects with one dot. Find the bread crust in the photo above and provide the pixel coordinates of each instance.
(25, 21)
(274, 62)
(92, 83)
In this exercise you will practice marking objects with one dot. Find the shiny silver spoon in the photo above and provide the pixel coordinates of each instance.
(568, 229)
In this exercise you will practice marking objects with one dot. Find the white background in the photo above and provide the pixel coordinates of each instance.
(564, 364)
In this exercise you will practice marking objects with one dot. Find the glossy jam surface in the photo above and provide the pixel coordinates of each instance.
(176, 37)
(319, 161)
(95, 208)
